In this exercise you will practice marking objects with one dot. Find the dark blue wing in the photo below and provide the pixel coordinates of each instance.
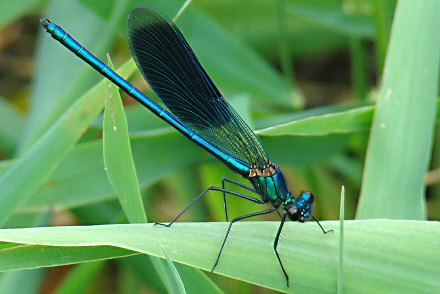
(171, 68)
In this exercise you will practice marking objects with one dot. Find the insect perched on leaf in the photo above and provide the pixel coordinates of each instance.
(197, 109)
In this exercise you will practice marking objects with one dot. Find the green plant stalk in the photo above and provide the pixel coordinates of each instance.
(401, 135)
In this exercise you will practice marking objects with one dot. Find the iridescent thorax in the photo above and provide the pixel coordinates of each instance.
(269, 182)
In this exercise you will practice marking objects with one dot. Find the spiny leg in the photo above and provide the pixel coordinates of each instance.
(224, 179)
(322, 228)
(236, 220)
(275, 245)
(213, 188)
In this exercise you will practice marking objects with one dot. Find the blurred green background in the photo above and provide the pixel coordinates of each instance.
(333, 99)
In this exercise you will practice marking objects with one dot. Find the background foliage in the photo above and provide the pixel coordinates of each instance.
(342, 92)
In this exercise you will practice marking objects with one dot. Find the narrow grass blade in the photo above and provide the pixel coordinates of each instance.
(399, 256)
(118, 159)
(340, 287)
(18, 256)
(327, 122)
(197, 281)
(174, 282)
(348, 121)
(143, 269)
(79, 278)
(401, 137)
(122, 173)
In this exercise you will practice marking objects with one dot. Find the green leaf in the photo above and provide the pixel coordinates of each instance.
(118, 160)
(401, 137)
(388, 252)
(15, 256)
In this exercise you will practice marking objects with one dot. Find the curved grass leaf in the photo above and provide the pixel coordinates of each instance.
(399, 256)
(118, 159)
(334, 121)
(348, 121)
(174, 283)
(401, 136)
(18, 256)
(197, 281)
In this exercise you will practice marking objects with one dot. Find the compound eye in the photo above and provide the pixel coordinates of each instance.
(308, 196)
(311, 198)
(293, 212)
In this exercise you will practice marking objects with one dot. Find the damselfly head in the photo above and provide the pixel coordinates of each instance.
(299, 209)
